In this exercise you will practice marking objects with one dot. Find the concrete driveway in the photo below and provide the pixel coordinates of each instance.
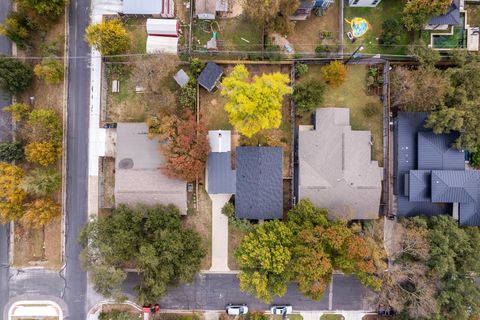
(219, 233)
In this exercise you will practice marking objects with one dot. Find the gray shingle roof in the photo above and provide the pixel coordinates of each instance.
(221, 177)
(259, 192)
(452, 17)
(210, 75)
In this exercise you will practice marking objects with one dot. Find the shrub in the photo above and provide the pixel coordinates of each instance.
(40, 212)
(371, 109)
(43, 153)
(334, 73)
(426, 56)
(44, 124)
(196, 66)
(50, 70)
(19, 111)
(108, 37)
(15, 76)
(11, 151)
(42, 182)
(18, 28)
(392, 28)
(229, 210)
(188, 97)
(300, 69)
(308, 96)
(475, 158)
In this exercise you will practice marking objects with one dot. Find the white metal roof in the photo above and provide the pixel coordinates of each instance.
(162, 27)
(157, 44)
(220, 140)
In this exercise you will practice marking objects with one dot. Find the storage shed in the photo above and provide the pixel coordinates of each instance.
(158, 8)
(163, 27)
(210, 75)
(156, 44)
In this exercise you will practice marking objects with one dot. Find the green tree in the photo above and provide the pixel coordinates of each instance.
(15, 76)
(300, 69)
(107, 280)
(50, 70)
(11, 151)
(427, 57)
(19, 111)
(254, 105)
(334, 73)
(41, 182)
(391, 32)
(308, 96)
(109, 37)
(44, 124)
(18, 28)
(196, 66)
(264, 257)
(11, 195)
(51, 9)
(417, 12)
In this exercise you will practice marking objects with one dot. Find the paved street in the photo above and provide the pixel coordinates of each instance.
(212, 291)
(77, 156)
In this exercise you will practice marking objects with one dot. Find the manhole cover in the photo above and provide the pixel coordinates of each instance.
(126, 163)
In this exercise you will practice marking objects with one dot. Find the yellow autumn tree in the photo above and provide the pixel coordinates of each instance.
(40, 212)
(334, 73)
(254, 104)
(109, 37)
(11, 194)
(43, 153)
(50, 70)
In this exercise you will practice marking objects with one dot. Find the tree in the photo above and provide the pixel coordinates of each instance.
(107, 280)
(427, 57)
(254, 105)
(152, 240)
(153, 74)
(418, 90)
(391, 32)
(196, 66)
(417, 12)
(185, 146)
(308, 96)
(43, 153)
(18, 28)
(300, 69)
(40, 212)
(19, 111)
(52, 9)
(42, 182)
(15, 76)
(109, 37)
(334, 73)
(44, 125)
(11, 195)
(273, 14)
(50, 70)
(264, 257)
(11, 151)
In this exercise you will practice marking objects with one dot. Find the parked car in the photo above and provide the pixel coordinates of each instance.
(236, 309)
(281, 309)
(110, 125)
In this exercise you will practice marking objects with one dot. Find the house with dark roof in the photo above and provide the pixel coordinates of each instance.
(210, 76)
(221, 178)
(448, 19)
(335, 169)
(430, 175)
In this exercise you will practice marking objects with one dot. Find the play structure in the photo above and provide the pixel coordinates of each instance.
(359, 26)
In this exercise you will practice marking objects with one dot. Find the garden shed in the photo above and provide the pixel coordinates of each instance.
(210, 75)
(163, 27)
(156, 44)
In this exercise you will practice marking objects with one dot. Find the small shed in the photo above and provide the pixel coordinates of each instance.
(210, 75)
(181, 78)
(156, 44)
(163, 27)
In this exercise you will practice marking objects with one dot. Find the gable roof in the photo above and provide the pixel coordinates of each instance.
(451, 17)
(335, 166)
(259, 191)
(210, 75)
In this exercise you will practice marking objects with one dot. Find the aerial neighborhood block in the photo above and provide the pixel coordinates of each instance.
(336, 170)
(138, 176)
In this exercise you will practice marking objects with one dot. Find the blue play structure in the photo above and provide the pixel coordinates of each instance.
(324, 4)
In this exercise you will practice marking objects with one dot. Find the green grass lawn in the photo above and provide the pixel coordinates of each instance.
(136, 29)
(387, 9)
(231, 34)
(331, 317)
(353, 94)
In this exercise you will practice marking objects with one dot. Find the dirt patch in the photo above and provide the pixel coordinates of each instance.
(235, 237)
(212, 110)
(106, 182)
(201, 221)
(315, 31)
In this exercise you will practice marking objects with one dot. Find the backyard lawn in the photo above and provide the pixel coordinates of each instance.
(387, 9)
(137, 32)
(353, 94)
(233, 34)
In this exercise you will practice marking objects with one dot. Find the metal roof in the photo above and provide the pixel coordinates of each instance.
(221, 179)
(143, 7)
(419, 185)
(259, 192)
(435, 152)
(181, 78)
(210, 75)
(451, 17)
(455, 186)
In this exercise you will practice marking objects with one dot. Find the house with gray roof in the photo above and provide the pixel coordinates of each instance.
(138, 171)
(220, 177)
(449, 18)
(430, 175)
(336, 170)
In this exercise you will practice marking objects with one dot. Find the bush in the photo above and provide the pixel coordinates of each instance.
(229, 210)
(239, 224)
(19, 111)
(50, 70)
(43, 153)
(334, 73)
(426, 56)
(11, 151)
(475, 158)
(392, 28)
(187, 97)
(15, 76)
(18, 28)
(42, 182)
(371, 109)
(308, 96)
(300, 69)
(196, 66)
(108, 37)
(44, 124)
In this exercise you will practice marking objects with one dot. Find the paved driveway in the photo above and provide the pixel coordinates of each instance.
(219, 233)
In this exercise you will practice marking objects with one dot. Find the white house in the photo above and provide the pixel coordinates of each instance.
(363, 3)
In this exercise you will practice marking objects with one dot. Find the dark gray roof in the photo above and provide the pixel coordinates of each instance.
(419, 185)
(221, 177)
(259, 193)
(452, 17)
(435, 152)
(469, 214)
(455, 186)
(210, 75)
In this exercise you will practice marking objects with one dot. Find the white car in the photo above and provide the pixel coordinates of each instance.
(281, 309)
(236, 309)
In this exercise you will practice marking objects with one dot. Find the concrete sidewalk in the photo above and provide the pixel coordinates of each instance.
(219, 233)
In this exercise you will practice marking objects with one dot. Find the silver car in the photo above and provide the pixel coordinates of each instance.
(281, 309)
(236, 309)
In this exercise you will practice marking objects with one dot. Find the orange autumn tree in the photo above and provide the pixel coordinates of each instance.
(184, 144)
(40, 212)
(11, 194)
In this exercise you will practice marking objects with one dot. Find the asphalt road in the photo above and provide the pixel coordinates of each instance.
(5, 128)
(77, 156)
(212, 291)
